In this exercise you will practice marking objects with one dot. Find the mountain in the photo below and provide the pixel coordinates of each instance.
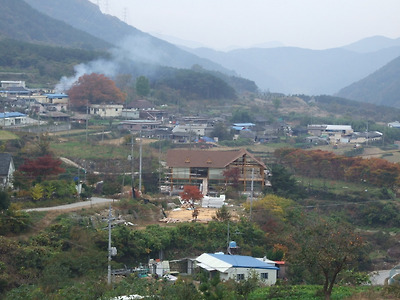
(86, 16)
(20, 21)
(283, 69)
(301, 71)
(371, 44)
(381, 87)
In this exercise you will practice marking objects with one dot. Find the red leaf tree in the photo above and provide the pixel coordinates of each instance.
(232, 176)
(190, 194)
(94, 89)
(43, 167)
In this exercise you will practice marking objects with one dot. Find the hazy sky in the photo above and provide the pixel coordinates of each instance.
(220, 24)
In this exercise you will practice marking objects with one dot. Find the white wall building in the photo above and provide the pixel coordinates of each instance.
(12, 83)
(197, 129)
(238, 267)
(12, 118)
(106, 110)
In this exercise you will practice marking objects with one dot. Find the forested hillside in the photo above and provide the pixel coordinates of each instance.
(43, 66)
(141, 46)
(381, 87)
(40, 65)
(20, 21)
(352, 110)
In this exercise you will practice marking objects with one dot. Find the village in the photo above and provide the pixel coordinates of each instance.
(208, 173)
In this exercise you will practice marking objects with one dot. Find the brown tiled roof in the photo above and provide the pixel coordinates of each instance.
(205, 158)
(141, 104)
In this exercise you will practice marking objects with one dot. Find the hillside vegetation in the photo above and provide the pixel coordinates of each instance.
(38, 64)
(20, 21)
(381, 87)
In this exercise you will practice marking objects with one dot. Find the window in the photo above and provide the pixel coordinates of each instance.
(239, 277)
(264, 276)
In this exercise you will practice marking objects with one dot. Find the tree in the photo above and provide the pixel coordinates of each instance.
(222, 214)
(241, 116)
(189, 195)
(284, 184)
(221, 132)
(43, 145)
(42, 167)
(37, 192)
(94, 89)
(325, 248)
(271, 212)
(4, 200)
(232, 176)
(277, 103)
(142, 86)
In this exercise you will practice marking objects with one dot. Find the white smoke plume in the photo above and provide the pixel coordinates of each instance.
(108, 68)
(131, 48)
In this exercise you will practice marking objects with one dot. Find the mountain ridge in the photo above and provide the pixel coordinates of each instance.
(382, 87)
(301, 71)
(90, 19)
(287, 70)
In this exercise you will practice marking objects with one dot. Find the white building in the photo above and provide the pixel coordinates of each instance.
(130, 113)
(197, 129)
(395, 124)
(106, 110)
(238, 267)
(159, 267)
(12, 83)
(12, 118)
(334, 133)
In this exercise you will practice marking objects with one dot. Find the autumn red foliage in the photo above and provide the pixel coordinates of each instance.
(324, 164)
(43, 167)
(94, 89)
(190, 194)
(232, 176)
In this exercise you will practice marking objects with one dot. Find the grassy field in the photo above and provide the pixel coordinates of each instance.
(89, 150)
(7, 135)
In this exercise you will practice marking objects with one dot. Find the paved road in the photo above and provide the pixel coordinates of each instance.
(378, 277)
(77, 205)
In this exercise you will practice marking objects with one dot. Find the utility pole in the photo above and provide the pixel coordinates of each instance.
(159, 162)
(132, 175)
(140, 164)
(251, 191)
(112, 251)
(87, 120)
(109, 247)
(85, 170)
(227, 237)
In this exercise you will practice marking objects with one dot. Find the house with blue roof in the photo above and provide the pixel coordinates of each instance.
(12, 118)
(237, 267)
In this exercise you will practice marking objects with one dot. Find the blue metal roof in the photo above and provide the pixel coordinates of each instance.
(11, 115)
(241, 261)
(52, 96)
(206, 139)
(244, 124)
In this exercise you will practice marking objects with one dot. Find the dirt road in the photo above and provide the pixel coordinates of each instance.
(75, 206)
